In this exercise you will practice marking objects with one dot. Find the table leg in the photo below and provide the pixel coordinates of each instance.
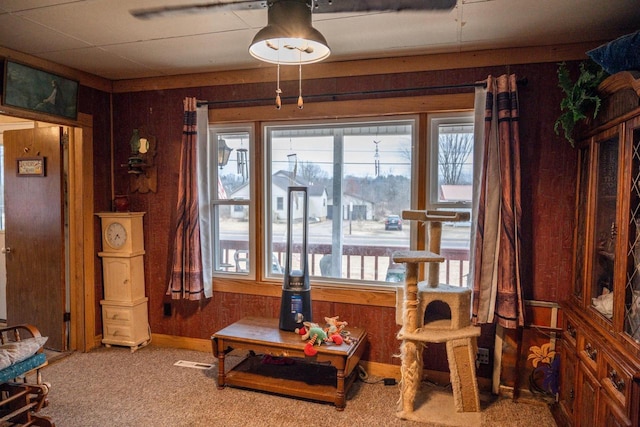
(221, 376)
(340, 397)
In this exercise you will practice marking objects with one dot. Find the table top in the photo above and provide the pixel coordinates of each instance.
(266, 331)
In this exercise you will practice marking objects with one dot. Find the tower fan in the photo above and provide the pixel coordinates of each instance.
(295, 306)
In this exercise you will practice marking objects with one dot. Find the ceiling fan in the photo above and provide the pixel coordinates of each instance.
(289, 38)
(317, 6)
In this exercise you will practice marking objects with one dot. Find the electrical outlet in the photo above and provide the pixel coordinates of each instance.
(483, 356)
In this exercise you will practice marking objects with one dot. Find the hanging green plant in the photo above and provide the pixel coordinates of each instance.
(581, 98)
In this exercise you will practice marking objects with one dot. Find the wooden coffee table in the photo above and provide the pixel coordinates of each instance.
(285, 352)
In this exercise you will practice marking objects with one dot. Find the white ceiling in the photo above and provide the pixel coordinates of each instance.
(101, 37)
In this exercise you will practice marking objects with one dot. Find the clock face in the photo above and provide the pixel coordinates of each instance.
(115, 235)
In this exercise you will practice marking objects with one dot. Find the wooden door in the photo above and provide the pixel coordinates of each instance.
(35, 237)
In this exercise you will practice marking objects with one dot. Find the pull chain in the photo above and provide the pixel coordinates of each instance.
(300, 101)
(278, 91)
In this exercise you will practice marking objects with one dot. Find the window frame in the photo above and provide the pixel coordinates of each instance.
(266, 197)
(433, 121)
(216, 203)
(421, 105)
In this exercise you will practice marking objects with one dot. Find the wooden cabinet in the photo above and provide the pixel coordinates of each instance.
(600, 350)
(124, 307)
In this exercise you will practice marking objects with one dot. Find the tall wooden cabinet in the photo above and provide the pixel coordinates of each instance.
(600, 346)
(125, 319)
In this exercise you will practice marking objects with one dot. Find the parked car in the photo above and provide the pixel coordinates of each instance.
(393, 222)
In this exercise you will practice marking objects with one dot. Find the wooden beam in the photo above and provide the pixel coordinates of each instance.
(335, 109)
(406, 64)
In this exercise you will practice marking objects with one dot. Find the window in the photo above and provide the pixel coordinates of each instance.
(1, 187)
(450, 186)
(358, 175)
(230, 181)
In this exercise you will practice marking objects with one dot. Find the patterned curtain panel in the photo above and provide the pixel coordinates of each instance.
(497, 291)
(186, 271)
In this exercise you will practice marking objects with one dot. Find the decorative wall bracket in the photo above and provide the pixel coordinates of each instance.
(143, 173)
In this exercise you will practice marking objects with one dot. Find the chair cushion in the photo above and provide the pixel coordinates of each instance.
(22, 367)
(17, 351)
(621, 54)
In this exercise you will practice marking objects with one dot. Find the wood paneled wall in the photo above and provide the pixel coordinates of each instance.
(548, 170)
(155, 107)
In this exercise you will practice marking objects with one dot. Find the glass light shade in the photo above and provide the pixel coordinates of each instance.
(223, 153)
(289, 38)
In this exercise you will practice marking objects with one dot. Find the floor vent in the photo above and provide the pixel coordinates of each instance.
(195, 365)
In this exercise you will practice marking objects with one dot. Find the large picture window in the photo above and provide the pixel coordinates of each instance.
(359, 177)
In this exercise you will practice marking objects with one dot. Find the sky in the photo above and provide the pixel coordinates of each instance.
(359, 154)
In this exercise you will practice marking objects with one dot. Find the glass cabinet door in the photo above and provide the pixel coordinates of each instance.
(604, 228)
(581, 220)
(632, 283)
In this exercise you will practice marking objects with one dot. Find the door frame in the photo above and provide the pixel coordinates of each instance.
(81, 268)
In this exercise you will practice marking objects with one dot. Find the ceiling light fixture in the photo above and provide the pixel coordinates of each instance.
(289, 38)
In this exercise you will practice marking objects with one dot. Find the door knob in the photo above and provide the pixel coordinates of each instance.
(6, 250)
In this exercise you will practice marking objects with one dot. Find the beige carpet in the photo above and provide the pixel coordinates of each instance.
(114, 387)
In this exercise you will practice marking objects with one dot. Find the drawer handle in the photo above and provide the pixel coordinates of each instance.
(618, 383)
(591, 352)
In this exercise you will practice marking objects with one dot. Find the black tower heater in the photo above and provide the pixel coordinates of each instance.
(295, 306)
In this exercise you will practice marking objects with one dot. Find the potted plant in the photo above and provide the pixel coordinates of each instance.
(581, 99)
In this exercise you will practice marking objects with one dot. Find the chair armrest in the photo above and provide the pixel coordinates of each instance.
(18, 332)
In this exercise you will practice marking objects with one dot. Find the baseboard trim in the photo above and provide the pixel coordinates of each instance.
(197, 344)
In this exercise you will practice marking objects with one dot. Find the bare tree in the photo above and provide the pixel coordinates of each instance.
(454, 150)
(311, 172)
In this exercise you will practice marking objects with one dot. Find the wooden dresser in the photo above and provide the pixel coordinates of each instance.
(600, 346)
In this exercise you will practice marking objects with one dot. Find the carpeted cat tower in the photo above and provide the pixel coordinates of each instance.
(436, 313)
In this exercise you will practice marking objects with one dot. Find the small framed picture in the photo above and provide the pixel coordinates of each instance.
(31, 166)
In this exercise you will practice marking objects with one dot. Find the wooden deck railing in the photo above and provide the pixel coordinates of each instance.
(359, 262)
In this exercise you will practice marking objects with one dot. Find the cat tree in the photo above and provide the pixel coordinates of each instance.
(436, 313)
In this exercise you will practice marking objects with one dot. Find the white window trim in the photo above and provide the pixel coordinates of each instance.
(434, 120)
(214, 130)
(267, 197)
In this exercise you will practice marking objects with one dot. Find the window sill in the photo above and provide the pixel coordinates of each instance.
(379, 296)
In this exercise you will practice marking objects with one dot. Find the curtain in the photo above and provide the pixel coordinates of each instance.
(186, 280)
(497, 291)
(204, 195)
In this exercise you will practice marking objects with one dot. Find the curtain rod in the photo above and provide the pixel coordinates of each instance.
(520, 82)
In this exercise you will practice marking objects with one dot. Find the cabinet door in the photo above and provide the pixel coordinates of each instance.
(567, 379)
(610, 413)
(632, 283)
(587, 398)
(605, 226)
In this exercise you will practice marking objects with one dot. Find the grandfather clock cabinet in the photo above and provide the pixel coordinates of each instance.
(125, 319)
(600, 345)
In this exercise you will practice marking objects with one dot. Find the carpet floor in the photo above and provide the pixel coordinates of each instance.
(114, 387)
